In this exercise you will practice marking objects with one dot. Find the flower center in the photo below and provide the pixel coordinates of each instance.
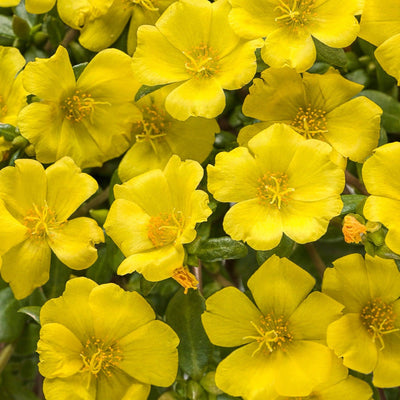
(310, 122)
(185, 278)
(378, 318)
(39, 220)
(274, 189)
(78, 106)
(147, 4)
(273, 334)
(294, 13)
(3, 107)
(165, 228)
(152, 127)
(100, 357)
(202, 61)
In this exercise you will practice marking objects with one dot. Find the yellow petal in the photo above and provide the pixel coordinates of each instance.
(74, 242)
(234, 177)
(196, 98)
(61, 388)
(154, 265)
(132, 311)
(257, 224)
(354, 387)
(59, 351)
(150, 354)
(26, 266)
(249, 131)
(388, 56)
(284, 47)
(39, 6)
(353, 142)
(228, 316)
(277, 276)
(72, 308)
(127, 225)
(14, 102)
(68, 187)
(349, 339)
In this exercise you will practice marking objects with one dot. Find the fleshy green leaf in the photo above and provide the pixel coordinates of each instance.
(222, 248)
(351, 202)
(11, 323)
(330, 55)
(32, 311)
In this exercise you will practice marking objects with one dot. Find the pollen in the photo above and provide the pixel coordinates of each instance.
(39, 221)
(78, 106)
(378, 318)
(203, 61)
(310, 122)
(164, 229)
(186, 279)
(97, 356)
(273, 333)
(273, 189)
(294, 13)
(353, 230)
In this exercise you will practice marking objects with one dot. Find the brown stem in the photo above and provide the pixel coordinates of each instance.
(355, 182)
(70, 36)
(222, 280)
(315, 258)
(382, 395)
(198, 273)
(98, 200)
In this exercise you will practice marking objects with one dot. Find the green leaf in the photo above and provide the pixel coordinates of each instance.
(222, 248)
(59, 275)
(32, 311)
(9, 132)
(284, 249)
(11, 323)
(330, 55)
(390, 107)
(21, 28)
(7, 35)
(351, 203)
(183, 315)
(144, 90)
(78, 69)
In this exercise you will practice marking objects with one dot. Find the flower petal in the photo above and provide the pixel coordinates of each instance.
(249, 131)
(39, 6)
(74, 387)
(228, 316)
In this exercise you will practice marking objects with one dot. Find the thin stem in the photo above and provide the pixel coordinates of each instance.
(353, 181)
(222, 280)
(5, 356)
(198, 273)
(382, 395)
(98, 200)
(316, 258)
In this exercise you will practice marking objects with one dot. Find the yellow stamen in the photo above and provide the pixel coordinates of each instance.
(40, 220)
(185, 278)
(310, 122)
(164, 229)
(202, 61)
(273, 188)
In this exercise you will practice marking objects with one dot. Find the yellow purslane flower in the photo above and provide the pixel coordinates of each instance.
(193, 47)
(12, 93)
(380, 25)
(316, 106)
(154, 214)
(99, 342)
(282, 183)
(89, 119)
(368, 335)
(102, 22)
(290, 25)
(32, 6)
(157, 136)
(380, 175)
(282, 339)
(35, 205)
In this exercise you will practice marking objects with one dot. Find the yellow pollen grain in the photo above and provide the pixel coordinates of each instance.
(203, 61)
(273, 333)
(378, 318)
(186, 279)
(164, 229)
(39, 220)
(273, 189)
(294, 13)
(310, 122)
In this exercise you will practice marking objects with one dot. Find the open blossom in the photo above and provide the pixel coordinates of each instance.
(368, 334)
(282, 337)
(193, 48)
(282, 183)
(150, 230)
(32, 6)
(98, 342)
(88, 119)
(289, 27)
(35, 205)
(316, 106)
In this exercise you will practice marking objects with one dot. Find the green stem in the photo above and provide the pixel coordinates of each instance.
(5, 356)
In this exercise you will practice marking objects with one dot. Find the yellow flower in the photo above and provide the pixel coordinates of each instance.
(193, 47)
(101, 22)
(35, 205)
(380, 175)
(316, 106)
(157, 136)
(283, 339)
(102, 343)
(12, 93)
(89, 119)
(32, 6)
(282, 184)
(154, 214)
(290, 25)
(368, 335)
(380, 25)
